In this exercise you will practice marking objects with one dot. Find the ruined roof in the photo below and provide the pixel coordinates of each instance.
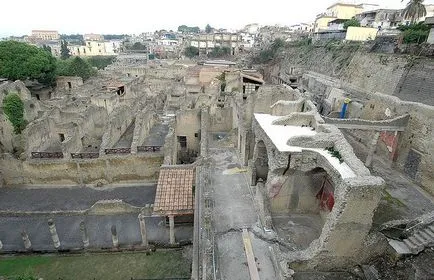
(253, 78)
(174, 191)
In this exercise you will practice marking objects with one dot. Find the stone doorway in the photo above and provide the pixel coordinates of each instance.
(261, 162)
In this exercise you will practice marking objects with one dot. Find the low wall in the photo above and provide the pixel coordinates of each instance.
(108, 169)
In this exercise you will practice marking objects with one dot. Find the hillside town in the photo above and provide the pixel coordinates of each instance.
(300, 151)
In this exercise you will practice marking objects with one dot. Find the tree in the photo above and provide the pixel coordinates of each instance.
(22, 61)
(414, 10)
(187, 29)
(46, 48)
(351, 22)
(208, 28)
(137, 46)
(64, 51)
(191, 51)
(219, 51)
(75, 67)
(13, 108)
(100, 62)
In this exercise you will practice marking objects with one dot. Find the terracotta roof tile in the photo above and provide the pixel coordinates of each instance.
(174, 191)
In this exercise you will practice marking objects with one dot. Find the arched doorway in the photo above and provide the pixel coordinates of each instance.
(261, 162)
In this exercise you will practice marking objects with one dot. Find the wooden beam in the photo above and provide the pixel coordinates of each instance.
(253, 270)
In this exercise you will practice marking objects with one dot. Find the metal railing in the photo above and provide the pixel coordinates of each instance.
(118, 151)
(47, 155)
(148, 149)
(84, 155)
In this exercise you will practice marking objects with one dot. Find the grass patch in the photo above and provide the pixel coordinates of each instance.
(125, 265)
(392, 200)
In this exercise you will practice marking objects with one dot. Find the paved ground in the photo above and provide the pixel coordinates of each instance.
(68, 229)
(74, 198)
(233, 211)
(298, 229)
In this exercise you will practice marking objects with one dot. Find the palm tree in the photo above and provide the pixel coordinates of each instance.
(414, 10)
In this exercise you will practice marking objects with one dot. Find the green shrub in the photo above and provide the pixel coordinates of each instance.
(13, 108)
(351, 22)
(414, 33)
(335, 153)
(191, 51)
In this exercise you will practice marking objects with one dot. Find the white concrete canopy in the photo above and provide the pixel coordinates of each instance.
(280, 134)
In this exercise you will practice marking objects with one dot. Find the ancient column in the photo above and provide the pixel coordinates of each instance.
(172, 229)
(84, 235)
(143, 230)
(54, 235)
(26, 240)
(372, 148)
(115, 238)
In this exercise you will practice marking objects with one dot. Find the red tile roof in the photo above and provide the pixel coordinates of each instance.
(175, 191)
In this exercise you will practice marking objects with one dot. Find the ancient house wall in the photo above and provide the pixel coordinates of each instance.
(220, 119)
(415, 150)
(188, 124)
(108, 169)
(120, 120)
(233, 81)
(68, 83)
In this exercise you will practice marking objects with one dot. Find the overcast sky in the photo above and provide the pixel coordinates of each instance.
(19, 17)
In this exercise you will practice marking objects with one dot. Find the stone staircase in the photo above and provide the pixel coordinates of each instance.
(420, 239)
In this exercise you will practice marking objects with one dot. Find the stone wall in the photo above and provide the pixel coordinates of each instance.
(408, 77)
(120, 120)
(108, 169)
(8, 140)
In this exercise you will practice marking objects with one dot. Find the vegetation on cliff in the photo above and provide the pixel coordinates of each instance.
(414, 33)
(13, 108)
(269, 53)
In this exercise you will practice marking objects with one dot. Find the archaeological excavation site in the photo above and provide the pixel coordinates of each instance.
(316, 163)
